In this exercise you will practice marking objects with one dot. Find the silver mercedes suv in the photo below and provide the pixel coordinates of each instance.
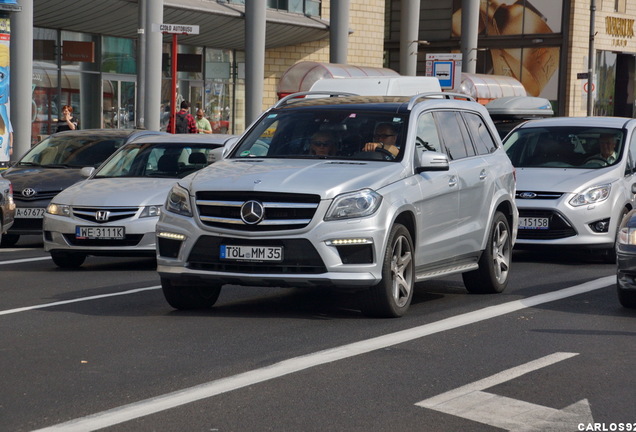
(358, 193)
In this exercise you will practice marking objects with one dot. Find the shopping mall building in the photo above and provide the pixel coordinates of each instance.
(102, 56)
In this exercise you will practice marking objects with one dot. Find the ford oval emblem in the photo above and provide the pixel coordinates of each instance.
(527, 195)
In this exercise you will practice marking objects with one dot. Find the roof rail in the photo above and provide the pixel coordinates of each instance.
(443, 95)
(286, 99)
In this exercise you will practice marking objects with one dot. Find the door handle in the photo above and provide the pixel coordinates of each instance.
(452, 181)
(482, 174)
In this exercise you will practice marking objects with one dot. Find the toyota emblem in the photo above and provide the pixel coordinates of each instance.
(527, 195)
(29, 192)
(252, 212)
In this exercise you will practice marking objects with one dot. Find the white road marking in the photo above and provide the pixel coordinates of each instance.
(19, 261)
(472, 403)
(77, 300)
(213, 388)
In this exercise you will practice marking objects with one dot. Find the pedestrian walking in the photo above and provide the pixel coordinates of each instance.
(184, 121)
(203, 124)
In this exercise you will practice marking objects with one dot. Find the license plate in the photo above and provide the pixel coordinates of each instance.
(29, 213)
(534, 223)
(84, 232)
(252, 253)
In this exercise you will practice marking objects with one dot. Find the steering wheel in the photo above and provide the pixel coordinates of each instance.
(385, 153)
(602, 161)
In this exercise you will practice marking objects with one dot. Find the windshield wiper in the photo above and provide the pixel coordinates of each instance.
(29, 164)
(57, 166)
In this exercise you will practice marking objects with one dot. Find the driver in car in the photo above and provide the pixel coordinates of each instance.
(384, 137)
(608, 148)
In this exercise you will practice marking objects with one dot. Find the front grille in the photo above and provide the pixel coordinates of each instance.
(113, 213)
(282, 211)
(42, 195)
(299, 257)
(559, 226)
(538, 195)
(129, 240)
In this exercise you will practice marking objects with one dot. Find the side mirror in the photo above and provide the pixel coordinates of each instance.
(87, 171)
(227, 147)
(431, 161)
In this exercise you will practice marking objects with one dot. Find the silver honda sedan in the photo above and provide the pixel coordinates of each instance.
(114, 211)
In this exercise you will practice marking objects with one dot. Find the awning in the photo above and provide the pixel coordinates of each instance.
(484, 88)
(301, 76)
(220, 25)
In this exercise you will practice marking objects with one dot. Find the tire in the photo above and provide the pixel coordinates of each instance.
(191, 296)
(494, 264)
(627, 298)
(392, 297)
(68, 259)
(9, 240)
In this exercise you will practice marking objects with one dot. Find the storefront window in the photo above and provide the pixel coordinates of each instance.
(604, 94)
(119, 55)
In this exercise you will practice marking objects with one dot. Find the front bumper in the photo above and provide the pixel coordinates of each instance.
(59, 235)
(569, 226)
(309, 258)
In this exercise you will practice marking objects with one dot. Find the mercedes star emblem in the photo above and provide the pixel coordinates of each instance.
(252, 212)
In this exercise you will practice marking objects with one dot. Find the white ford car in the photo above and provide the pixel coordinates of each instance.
(275, 212)
(576, 180)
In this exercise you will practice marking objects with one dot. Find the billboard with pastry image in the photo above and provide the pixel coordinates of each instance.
(536, 66)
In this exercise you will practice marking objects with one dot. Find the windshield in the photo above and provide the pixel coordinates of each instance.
(72, 152)
(158, 160)
(564, 147)
(334, 133)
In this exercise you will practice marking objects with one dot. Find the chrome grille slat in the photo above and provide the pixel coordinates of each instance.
(282, 211)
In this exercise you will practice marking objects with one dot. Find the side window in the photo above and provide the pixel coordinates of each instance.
(454, 133)
(427, 136)
(484, 143)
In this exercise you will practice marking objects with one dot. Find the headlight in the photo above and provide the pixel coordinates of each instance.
(354, 205)
(151, 211)
(58, 209)
(627, 236)
(178, 201)
(593, 195)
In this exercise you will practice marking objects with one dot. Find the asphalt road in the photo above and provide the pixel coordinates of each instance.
(99, 348)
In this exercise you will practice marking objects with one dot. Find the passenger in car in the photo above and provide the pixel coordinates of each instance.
(323, 143)
(384, 137)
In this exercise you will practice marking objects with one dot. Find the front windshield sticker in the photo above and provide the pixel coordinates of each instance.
(272, 116)
(245, 153)
(397, 120)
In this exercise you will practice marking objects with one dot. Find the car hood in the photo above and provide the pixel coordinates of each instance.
(117, 192)
(326, 178)
(42, 179)
(563, 179)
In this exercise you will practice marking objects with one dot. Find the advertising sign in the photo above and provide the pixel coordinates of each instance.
(6, 130)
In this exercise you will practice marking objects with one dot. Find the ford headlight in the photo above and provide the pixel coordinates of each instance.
(354, 205)
(592, 195)
(178, 201)
(58, 209)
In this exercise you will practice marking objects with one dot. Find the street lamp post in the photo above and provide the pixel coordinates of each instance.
(590, 61)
